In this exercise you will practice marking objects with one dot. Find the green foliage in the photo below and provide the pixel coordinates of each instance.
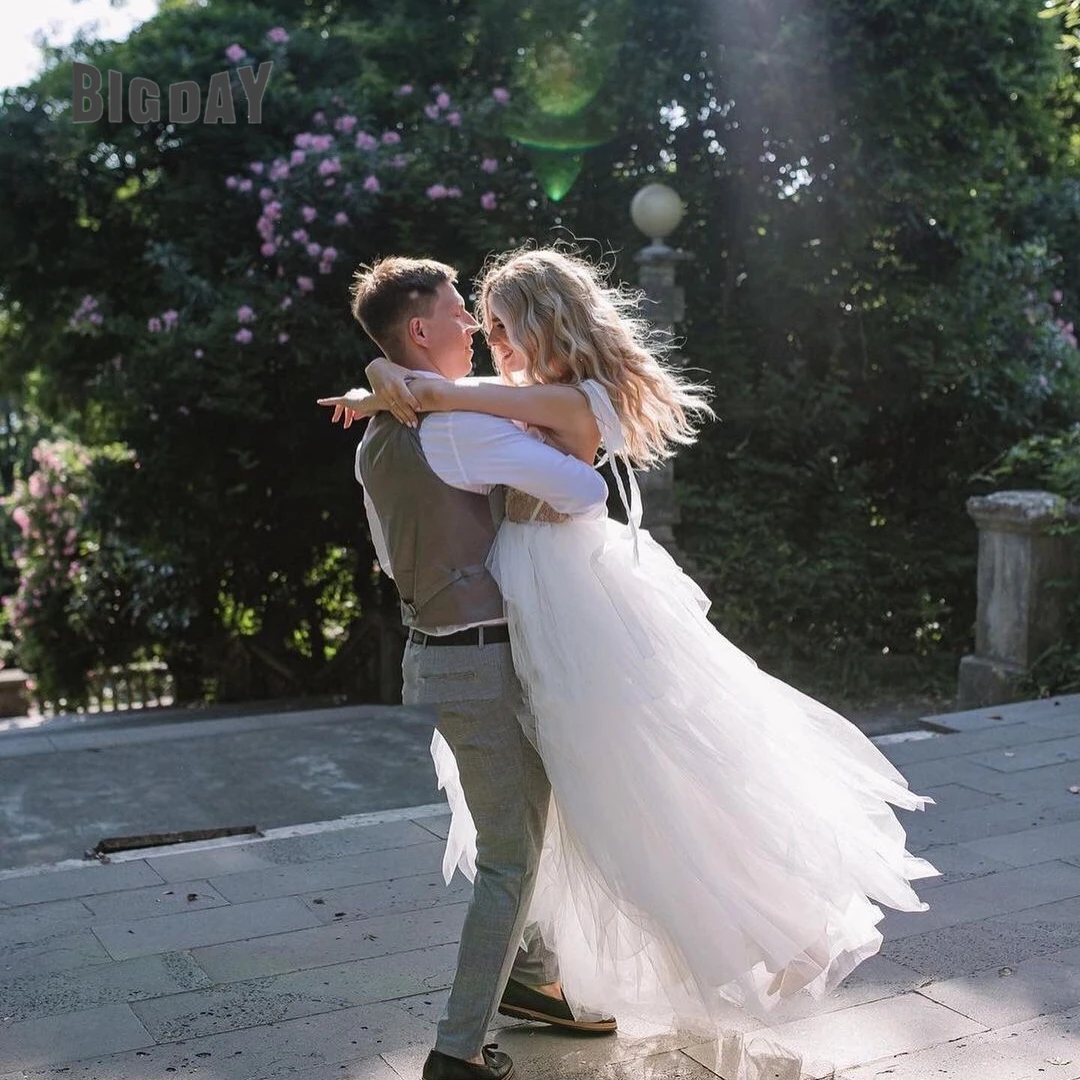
(885, 224)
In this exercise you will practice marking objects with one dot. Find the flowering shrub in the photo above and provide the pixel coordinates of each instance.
(84, 601)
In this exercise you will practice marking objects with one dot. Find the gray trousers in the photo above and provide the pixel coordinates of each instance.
(483, 716)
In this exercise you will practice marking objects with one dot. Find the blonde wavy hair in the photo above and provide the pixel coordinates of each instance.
(560, 312)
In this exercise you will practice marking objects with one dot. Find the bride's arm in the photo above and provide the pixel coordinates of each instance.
(562, 410)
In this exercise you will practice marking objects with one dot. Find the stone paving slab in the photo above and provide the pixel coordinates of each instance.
(837, 1040)
(1047, 1048)
(329, 873)
(38, 994)
(994, 894)
(286, 1049)
(1009, 995)
(379, 936)
(299, 993)
(64, 952)
(30, 1044)
(90, 881)
(168, 898)
(191, 929)
(412, 893)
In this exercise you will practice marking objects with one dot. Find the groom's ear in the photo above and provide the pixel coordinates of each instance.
(416, 331)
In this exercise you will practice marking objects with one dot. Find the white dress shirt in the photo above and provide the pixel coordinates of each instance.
(477, 452)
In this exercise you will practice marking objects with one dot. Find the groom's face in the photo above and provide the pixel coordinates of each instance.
(448, 333)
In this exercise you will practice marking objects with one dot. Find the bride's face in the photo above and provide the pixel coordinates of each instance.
(509, 360)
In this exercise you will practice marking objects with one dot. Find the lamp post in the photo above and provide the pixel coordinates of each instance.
(657, 210)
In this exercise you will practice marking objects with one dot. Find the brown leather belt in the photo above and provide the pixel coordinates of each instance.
(475, 635)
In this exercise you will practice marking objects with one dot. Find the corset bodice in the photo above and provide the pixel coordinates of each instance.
(521, 507)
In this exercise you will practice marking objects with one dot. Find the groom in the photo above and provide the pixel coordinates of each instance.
(427, 488)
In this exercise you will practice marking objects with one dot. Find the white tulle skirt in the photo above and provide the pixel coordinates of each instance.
(715, 835)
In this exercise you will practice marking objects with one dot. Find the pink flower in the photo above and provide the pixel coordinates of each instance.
(319, 118)
(1056, 296)
(267, 249)
(153, 324)
(170, 318)
(244, 185)
(243, 335)
(329, 182)
(329, 254)
(501, 95)
(488, 200)
(256, 167)
(235, 53)
(325, 267)
(443, 100)
(297, 157)
(489, 165)
(231, 182)
(453, 193)
(282, 338)
(286, 303)
(341, 218)
(309, 213)
(345, 123)
(300, 235)
(278, 35)
(431, 112)
(36, 485)
(245, 313)
(454, 119)
(305, 284)
(366, 141)
(314, 250)
(436, 191)
(372, 184)
(279, 171)
(329, 166)
(22, 519)
(399, 161)
(404, 89)
(266, 193)
(390, 138)
(322, 142)
(96, 318)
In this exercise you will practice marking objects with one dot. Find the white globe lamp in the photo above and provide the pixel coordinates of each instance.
(657, 210)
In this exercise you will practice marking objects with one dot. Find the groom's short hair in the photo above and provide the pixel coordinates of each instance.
(391, 291)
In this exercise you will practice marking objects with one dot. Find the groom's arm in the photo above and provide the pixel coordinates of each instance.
(478, 452)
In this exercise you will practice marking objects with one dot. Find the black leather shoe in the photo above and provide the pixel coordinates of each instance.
(525, 1003)
(497, 1066)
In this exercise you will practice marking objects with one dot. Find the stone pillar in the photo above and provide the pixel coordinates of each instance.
(14, 700)
(665, 307)
(1020, 613)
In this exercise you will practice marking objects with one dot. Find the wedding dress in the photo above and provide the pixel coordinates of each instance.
(714, 835)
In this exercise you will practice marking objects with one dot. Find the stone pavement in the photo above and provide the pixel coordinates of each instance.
(68, 781)
(323, 952)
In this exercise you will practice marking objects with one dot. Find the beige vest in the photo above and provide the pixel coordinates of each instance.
(438, 536)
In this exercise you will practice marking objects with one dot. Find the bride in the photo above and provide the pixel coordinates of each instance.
(715, 834)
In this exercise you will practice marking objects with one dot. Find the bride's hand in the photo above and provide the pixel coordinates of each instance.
(352, 405)
(390, 383)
